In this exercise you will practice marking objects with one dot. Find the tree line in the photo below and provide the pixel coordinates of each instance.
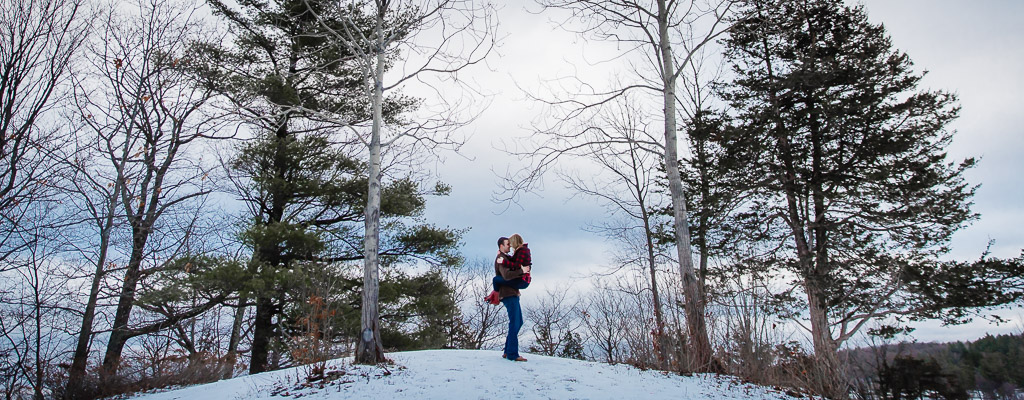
(989, 367)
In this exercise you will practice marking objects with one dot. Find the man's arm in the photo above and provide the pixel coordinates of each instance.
(508, 269)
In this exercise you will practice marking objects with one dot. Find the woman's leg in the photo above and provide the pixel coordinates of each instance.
(497, 281)
(517, 283)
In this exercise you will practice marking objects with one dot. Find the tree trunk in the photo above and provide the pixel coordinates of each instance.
(661, 342)
(824, 345)
(268, 255)
(236, 332)
(702, 231)
(119, 335)
(37, 386)
(815, 270)
(700, 345)
(263, 329)
(826, 348)
(812, 268)
(370, 348)
(830, 378)
(81, 357)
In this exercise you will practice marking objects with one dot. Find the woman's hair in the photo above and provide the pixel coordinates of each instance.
(515, 240)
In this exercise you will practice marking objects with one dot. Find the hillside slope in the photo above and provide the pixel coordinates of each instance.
(470, 374)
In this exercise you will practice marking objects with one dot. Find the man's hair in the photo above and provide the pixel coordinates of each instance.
(502, 240)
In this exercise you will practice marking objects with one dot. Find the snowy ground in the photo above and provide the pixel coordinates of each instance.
(470, 374)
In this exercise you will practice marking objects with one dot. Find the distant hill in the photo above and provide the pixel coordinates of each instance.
(990, 364)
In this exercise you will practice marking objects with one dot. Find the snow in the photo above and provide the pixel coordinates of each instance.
(475, 374)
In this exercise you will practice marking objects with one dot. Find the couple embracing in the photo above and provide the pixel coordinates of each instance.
(511, 273)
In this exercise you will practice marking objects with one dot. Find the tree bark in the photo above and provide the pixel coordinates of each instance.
(370, 348)
(826, 349)
(81, 357)
(700, 345)
(261, 332)
(40, 369)
(126, 300)
(268, 255)
(661, 341)
(236, 336)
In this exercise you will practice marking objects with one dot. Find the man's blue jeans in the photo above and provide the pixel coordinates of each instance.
(517, 283)
(515, 321)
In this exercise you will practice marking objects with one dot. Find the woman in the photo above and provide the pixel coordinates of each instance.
(521, 258)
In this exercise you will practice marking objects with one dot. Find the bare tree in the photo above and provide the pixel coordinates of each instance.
(602, 313)
(36, 312)
(89, 195)
(146, 114)
(661, 39)
(38, 39)
(627, 188)
(482, 322)
(750, 330)
(551, 319)
(427, 38)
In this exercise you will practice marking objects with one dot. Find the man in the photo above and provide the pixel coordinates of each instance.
(504, 267)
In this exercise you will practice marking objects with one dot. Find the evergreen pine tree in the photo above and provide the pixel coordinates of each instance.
(305, 193)
(846, 165)
(572, 346)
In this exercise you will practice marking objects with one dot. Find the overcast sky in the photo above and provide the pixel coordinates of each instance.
(971, 48)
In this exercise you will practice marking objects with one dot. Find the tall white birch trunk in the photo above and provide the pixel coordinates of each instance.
(700, 345)
(370, 349)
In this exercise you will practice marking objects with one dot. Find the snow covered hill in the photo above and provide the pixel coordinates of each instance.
(472, 374)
